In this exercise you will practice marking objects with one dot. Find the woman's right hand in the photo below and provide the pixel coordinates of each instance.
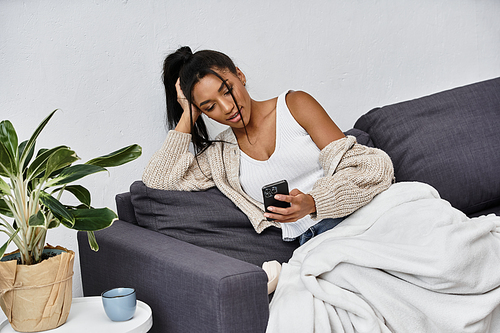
(184, 124)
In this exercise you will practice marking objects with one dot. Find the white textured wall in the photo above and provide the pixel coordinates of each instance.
(100, 63)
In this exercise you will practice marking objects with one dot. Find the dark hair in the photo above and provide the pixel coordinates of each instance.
(191, 68)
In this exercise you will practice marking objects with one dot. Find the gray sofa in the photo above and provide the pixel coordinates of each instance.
(195, 259)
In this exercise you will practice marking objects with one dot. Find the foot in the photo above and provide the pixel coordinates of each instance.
(272, 269)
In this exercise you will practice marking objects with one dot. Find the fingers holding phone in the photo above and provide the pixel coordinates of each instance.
(285, 207)
(270, 192)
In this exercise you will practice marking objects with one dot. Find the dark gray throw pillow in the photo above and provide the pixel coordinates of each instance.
(210, 220)
(450, 140)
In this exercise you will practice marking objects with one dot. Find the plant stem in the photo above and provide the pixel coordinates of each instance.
(39, 242)
(20, 240)
(21, 216)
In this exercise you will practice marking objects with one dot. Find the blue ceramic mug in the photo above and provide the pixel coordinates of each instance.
(119, 303)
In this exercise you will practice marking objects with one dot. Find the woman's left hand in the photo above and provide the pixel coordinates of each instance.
(301, 205)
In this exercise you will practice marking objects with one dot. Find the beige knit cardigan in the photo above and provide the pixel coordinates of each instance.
(354, 174)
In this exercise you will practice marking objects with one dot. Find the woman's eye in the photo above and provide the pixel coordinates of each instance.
(228, 92)
(210, 108)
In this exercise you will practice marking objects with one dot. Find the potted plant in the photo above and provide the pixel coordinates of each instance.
(31, 189)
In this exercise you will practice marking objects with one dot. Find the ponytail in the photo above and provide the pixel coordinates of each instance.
(171, 69)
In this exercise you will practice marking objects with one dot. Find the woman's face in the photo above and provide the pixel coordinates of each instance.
(214, 98)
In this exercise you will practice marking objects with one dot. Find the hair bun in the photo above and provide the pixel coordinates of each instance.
(185, 53)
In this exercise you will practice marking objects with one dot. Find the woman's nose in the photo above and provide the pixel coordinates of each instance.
(227, 106)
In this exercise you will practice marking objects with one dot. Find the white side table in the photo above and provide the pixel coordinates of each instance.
(87, 315)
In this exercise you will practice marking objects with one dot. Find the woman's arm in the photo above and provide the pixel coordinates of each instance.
(190, 114)
(174, 167)
(354, 174)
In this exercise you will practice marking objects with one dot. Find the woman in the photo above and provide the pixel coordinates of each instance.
(287, 137)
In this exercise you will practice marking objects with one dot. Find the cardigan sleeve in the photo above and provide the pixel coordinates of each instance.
(354, 175)
(174, 167)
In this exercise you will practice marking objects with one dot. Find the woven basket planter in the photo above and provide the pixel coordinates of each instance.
(37, 297)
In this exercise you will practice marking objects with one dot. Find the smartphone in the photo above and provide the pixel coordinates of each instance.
(268, 192)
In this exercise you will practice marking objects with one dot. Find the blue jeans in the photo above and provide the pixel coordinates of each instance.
(318, 228)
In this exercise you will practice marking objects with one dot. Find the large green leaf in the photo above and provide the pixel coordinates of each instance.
(7, 162)
(118, 157)
(34, 136)
(4, 209)
(93, 219)
(60, 159)
(80, 192)
(57, 208)
(74, 172)
(40, 163)
(21, 148)
(8, 137)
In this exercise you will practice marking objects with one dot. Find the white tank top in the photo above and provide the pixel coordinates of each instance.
(295, 158)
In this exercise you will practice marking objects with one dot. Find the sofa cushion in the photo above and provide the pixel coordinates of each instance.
(210, 220)
(450, 140)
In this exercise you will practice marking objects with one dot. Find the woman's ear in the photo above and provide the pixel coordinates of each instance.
(241, 76)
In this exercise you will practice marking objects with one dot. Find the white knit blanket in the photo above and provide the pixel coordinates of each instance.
(406, 262)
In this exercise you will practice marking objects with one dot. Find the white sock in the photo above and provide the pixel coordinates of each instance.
(272, 269)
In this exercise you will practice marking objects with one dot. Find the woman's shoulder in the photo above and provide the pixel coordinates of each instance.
(298, 97)
(313, 118)
(303, 107)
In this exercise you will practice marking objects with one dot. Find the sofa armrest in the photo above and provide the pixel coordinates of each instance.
(189, 289)
(124, 207)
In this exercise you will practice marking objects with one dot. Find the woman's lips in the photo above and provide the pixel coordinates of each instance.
(235, 118)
